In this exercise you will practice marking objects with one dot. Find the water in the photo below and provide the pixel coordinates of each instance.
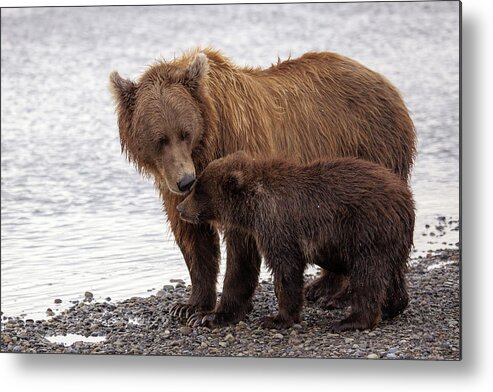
(69, 339)
(76, 216)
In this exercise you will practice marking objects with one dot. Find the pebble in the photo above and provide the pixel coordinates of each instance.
(144, 326)
(241, 325)
(186, 330)
(57, 301)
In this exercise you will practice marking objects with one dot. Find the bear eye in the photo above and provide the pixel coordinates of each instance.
(184, 135)
(163, 141)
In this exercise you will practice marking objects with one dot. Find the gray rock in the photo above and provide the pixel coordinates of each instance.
(186, 330)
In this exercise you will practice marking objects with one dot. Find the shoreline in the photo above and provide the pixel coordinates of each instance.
(428, 329)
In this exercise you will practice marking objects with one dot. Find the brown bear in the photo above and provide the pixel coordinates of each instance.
(349, 216)
(181, 115)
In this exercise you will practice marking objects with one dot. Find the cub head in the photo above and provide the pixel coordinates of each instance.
(160, 121)
(220, 192)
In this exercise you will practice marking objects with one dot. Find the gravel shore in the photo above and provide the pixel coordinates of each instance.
(428, 329)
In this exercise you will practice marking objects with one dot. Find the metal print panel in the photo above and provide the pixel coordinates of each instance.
(132, 224)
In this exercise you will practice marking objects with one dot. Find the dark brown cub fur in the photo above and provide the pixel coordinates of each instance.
(353, 218)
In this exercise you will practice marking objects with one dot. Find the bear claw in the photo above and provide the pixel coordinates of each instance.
(195, 319)
(180, 310)
(207, 319)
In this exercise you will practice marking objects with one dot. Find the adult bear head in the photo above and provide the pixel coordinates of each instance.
(160, 120)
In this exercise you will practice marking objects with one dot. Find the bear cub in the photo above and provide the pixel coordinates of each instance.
(351, 217)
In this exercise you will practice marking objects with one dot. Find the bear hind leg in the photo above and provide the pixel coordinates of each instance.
(367, 296)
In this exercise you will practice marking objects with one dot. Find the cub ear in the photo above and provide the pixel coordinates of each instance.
(196, 70)
(234, 181)
(240, 155)
(123, 90)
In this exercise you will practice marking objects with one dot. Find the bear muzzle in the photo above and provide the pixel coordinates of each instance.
(186, 182)
(184, 216)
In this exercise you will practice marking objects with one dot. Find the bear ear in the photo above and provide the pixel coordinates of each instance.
(234, 181)
(123, 90)
(241, 155)
(196, 70)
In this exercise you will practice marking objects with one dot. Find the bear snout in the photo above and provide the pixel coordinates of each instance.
(186, 182)
(182, 211)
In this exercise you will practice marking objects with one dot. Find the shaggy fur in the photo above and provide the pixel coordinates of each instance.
(352, 217)
(181, 115)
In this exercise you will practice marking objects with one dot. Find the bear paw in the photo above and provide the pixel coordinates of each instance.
(314, 291)
(325, 290)
(353, 322)
(276, 322)
(208, 319)
(333, 303)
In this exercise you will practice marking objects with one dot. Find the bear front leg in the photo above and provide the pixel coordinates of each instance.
(240, 282)
(288, 286)
(199, 245)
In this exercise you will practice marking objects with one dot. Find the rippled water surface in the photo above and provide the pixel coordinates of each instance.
(76, 216)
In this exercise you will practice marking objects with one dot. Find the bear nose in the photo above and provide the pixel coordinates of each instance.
(186, 183)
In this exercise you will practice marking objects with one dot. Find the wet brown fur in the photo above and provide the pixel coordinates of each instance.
(351, 217)
(182, 114)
